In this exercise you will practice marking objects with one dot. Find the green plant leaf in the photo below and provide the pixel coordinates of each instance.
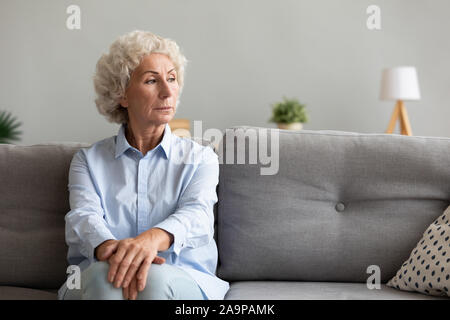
(8, 128)
(289, 111)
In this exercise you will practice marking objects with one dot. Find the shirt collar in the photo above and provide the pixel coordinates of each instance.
(122, 144)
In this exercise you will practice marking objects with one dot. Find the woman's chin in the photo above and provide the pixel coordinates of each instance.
(162, 119)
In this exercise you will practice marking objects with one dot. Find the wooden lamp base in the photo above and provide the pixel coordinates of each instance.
(400, 114)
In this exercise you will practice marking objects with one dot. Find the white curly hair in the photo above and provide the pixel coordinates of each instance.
(113, 70)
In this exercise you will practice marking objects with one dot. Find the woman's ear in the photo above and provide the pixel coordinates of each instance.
(124, 102)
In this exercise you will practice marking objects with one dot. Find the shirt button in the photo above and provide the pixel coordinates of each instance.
(340, 207)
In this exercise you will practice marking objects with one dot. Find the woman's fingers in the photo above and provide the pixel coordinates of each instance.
(107, 250)
(133, 268)
(143, 272)
(127, 262)
(131, 260)
(125, 292)
(159, 260)
(141, 275)
(115, 261)
(138, 280)
(132, 289)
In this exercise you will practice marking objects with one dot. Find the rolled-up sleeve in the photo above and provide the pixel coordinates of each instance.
(85, 224)
(192, 223)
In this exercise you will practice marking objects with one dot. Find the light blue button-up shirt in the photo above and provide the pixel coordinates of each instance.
(117, 193)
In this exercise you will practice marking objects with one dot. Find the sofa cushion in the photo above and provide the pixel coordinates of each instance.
(34, 201)
(293, 290)
(427, 270)
(339, 203)
(19, 293)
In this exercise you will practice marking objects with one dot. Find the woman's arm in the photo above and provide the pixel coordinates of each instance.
(192, 223)
(85, 225)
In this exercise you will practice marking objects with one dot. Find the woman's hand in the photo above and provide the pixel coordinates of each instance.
(131, 258)
(131, 292)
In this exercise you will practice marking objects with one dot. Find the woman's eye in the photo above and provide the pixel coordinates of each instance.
(172, 79)
(150, 81)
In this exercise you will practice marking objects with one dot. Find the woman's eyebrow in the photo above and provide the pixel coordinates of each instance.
(154, 72)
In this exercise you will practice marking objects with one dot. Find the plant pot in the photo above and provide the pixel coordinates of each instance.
(290, 126)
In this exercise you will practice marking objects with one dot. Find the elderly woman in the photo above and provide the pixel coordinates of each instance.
(141, 222)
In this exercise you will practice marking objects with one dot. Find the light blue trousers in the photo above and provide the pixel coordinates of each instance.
(164, 282)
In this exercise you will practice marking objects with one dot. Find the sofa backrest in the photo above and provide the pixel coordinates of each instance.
(33, 203)
(339, 203)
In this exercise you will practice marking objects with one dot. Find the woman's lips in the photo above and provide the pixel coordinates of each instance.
(163, 108)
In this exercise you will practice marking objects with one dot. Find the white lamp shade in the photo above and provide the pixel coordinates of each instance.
(400, 83)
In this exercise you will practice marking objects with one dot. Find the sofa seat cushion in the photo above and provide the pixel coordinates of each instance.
(20, 293)
(296, 290)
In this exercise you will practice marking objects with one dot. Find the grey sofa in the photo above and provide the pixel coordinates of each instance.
(339, 203)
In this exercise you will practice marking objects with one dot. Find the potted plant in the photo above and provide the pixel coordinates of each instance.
(289, 114)
(8, 128)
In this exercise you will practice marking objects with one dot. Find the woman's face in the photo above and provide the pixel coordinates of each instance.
(152, 92)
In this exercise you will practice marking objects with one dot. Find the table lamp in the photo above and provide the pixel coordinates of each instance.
(400, 84)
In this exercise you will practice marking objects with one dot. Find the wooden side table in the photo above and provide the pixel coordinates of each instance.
(181, 127)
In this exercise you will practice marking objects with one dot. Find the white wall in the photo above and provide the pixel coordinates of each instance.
(243, 56)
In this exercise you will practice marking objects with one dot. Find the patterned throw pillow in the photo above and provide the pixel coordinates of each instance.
(427, 269)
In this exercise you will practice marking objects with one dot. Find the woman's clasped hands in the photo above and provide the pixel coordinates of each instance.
(130, 260)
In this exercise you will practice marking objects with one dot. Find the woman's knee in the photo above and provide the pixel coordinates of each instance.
(158, 284)
(96, 272)
(95, 284)
(166, 282)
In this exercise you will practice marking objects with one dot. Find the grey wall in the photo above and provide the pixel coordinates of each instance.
(243, 56)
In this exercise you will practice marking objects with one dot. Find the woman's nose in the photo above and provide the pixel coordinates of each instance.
(165, 90)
